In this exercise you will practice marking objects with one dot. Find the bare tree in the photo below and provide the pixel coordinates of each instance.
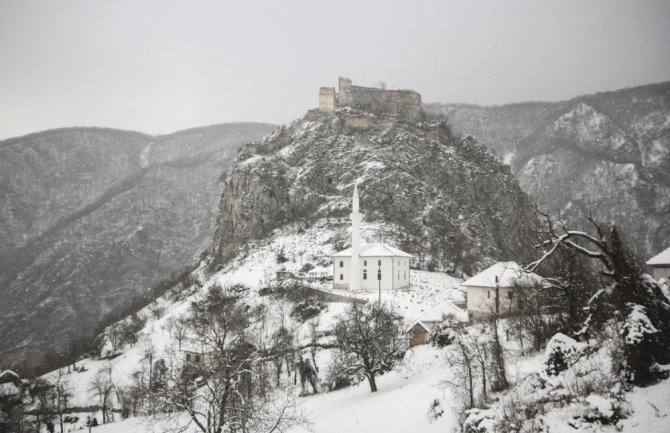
(62, 392)
(40, 392)
(220, 389)
(463, 359)
(498, 369)
(470, 355)
(178, 329)
(371, 334)
(102, 386)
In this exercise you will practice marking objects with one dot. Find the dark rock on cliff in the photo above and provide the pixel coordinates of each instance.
(446, 200)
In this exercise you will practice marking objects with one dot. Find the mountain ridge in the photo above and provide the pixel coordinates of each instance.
(555, 148)
(116, 213)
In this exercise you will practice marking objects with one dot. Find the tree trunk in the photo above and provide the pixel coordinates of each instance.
(471, 390)
(372, 381)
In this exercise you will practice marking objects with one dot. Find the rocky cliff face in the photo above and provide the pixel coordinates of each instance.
(606, 154)
(446, 200)
(91, 218)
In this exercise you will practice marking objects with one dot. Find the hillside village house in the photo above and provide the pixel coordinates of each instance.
(422, 331)
(370, 266)
(661, 264)
(507, 277)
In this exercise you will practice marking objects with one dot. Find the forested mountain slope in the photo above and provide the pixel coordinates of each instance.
(91, 218)
(607, 154)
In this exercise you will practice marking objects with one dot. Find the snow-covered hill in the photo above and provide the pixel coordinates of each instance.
(445, 200)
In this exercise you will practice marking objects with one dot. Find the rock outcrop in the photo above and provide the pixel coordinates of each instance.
(446, 200)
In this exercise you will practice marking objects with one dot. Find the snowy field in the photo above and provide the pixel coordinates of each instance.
(401, 405)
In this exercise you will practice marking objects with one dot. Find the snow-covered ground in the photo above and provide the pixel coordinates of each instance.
(409, 397)
(402, 404)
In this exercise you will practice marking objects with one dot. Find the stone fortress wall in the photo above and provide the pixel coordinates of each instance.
(401, 104)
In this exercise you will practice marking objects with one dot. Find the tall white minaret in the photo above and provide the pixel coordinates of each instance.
(355, 274)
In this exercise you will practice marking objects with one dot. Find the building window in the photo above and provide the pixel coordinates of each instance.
(488, 294)
(365, 262)
(510, 294)
(341, 264)
(341, 277)
(188, 357)
(379, 262)
(365, 274)
(197, 359)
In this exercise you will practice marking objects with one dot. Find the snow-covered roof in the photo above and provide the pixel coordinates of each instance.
(437, 313)
(376, 249)
(10, 372)
(509, 274)
(8, 388)
(662, 258)
(5, 373)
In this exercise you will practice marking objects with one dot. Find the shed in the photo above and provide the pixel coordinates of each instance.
(660, 264)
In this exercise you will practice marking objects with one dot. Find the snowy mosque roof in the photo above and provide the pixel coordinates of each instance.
(662, 258)
(376, 249)
(509, 274)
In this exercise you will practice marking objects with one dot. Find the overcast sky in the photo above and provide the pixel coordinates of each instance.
(164, 65)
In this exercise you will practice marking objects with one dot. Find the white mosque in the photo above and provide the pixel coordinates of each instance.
(369, 266)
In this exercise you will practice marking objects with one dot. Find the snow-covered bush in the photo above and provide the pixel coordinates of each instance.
(481, 421)
(561, 352)
(444, 334)
(603, 410)
(338, 376)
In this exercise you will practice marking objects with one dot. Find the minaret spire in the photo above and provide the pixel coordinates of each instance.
(355, 276)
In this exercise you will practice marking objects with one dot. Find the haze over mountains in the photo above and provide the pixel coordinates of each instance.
(91, 218)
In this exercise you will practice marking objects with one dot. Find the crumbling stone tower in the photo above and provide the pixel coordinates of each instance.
(327, 99)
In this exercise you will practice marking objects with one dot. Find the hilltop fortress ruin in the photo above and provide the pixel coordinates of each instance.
(401, 104)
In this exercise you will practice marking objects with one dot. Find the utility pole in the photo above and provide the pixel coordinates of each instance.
(379, 279)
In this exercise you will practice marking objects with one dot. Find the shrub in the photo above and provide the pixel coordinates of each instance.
(444, 334)
(339, 377)
(307, 309)
(562, 351)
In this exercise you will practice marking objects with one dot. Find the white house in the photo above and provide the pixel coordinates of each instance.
(507, 277)
(369, 266)
(661, 264)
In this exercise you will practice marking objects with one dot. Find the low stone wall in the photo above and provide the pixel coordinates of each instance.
(403, 104)
(365, 122)
(336, 297)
